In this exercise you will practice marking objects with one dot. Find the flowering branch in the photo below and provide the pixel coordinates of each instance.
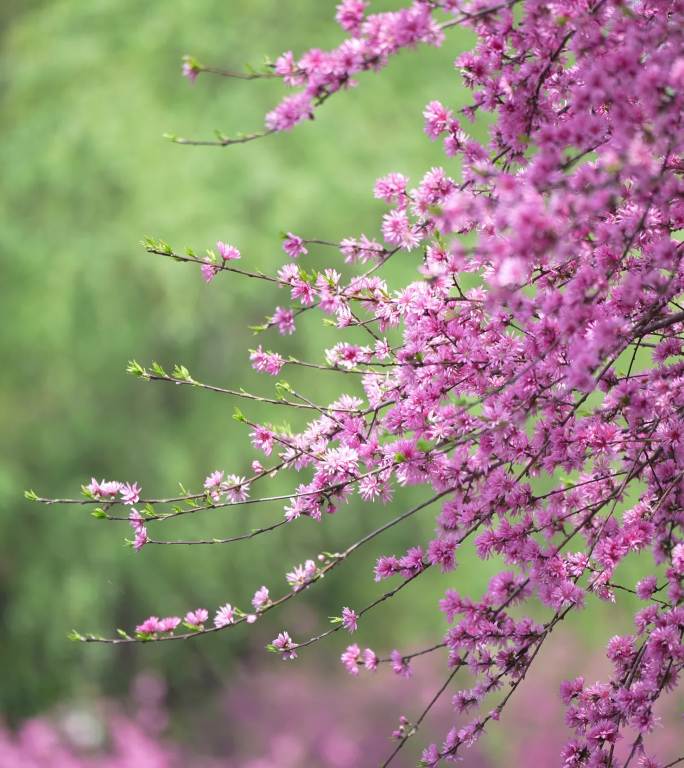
(529, 377)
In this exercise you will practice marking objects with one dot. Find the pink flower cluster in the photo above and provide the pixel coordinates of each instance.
(353, 658)
(111, 490)
(194, 620)
(373, 40)
(231, 488)
(529, 379)
(549, 344)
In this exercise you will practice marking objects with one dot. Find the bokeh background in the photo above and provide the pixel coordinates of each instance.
(87, 88)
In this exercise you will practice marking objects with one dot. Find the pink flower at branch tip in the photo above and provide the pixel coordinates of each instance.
(294, 246)
(190, 69)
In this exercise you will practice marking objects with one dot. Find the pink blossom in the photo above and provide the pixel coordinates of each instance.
(149, 626)
(141, 538)
(284, 319)
(286, 67)
(266, 362)
(262, 439)
(397, 230)
(301, 575)
(209, 270)
(190, 69)
(236, 488)
(391, 188)
(646, 587)
(169, 623)
(437, 119)
(214, 485)
(350, 15)
(350, 659)
(286, 646)
(196, 617)
(291, 110)
(130, 494)
(224, 615)
(104, 489)
(227, 252)
(349, 619)
(136, 520)
(294, 246)
(400, 665)
(261, 598)
(370, 660)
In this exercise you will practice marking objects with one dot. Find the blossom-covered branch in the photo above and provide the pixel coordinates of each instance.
(528, 377)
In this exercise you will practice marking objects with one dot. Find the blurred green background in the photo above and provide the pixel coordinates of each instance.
(87, 88)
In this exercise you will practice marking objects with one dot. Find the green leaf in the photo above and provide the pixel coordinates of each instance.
(238, 415)
(282, 388)
(99, 514)
(134, 368)
(164, 247)
(259, 328)
(181, 372)
(31, 495)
